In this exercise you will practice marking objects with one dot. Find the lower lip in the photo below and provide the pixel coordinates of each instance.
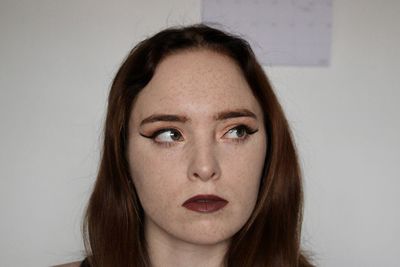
(205, 207)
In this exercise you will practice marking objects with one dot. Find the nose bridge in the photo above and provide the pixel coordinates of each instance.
(204, 163)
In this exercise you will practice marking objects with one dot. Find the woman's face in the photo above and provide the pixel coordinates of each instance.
(203, 147)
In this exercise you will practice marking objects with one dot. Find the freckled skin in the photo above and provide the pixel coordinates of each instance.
(197, 84)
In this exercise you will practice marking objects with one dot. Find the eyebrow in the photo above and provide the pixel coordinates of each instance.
(223, 115)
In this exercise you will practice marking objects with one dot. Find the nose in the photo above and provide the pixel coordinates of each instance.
(203, 162)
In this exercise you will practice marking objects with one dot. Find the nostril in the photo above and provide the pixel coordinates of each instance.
(205, 176)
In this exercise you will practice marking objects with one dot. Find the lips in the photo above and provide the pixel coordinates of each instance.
(205, 203)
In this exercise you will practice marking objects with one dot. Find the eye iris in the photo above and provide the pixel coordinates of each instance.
(241, 131)
(174, 135)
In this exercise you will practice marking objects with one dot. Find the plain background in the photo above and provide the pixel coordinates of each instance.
(57, 60)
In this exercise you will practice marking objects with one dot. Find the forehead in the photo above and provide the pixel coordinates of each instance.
(199, 82)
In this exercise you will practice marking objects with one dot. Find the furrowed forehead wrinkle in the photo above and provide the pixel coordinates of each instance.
(223, 115)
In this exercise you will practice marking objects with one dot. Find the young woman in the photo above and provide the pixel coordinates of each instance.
(198, 166)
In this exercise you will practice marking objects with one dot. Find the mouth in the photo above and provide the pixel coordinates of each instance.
(205, 203)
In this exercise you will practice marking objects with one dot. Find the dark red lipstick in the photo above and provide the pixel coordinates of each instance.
(205, 203)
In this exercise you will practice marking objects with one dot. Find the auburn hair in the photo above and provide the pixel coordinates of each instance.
(113, 224)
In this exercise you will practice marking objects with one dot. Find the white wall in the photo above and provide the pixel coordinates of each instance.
(347, 123)
(57, 59)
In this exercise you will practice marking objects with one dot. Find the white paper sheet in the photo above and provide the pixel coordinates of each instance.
(281, 32)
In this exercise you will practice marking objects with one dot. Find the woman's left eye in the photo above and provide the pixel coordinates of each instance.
(242, 131)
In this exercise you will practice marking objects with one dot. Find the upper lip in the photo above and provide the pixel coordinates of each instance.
(204, 197)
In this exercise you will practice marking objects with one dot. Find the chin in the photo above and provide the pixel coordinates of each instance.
(205, 240)
(206, 236)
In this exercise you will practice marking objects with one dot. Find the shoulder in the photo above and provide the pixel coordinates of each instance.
(71, 264)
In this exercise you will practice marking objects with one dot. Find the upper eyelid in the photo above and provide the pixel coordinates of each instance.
(246, 121)
(221, 116)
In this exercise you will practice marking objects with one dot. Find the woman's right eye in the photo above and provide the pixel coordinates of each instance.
(166, 136)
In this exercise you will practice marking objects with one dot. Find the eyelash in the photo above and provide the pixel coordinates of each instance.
(248, 131)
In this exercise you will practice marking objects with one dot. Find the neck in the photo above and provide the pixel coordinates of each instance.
(167, 251)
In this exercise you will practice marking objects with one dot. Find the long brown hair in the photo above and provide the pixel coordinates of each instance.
(113, 225)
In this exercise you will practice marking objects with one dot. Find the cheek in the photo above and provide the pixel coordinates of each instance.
(243, 173)
(156, 179)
